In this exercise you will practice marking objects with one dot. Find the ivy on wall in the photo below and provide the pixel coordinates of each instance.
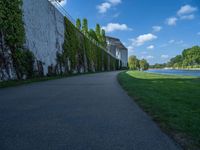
(77, 45)
(12, 37)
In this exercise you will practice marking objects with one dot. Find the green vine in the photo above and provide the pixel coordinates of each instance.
(12, 37)
(77, 45)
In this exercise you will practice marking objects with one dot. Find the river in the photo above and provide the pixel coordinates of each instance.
(195, 73)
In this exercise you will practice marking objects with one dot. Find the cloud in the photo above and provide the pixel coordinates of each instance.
(171, 41)
(164, 56)
(115, 2)
(142, 39)
(151, 47)
(187, 17)
(171, 21)
(156, 28)
(103, 8)
(186, 9)
(149, 57)
(111, 27)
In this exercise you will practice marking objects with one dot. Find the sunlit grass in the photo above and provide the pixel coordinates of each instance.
(173, 101)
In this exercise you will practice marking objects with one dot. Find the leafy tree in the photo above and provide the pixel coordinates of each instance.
(133, 63)
(98, 33)
(85, 26)
(92, 34)
(144, 65)
(103, 35)
(78, 24)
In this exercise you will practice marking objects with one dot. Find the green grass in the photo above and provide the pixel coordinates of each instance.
(172, 101)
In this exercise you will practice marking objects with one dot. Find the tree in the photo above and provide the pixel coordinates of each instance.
(144, 65)
(85, 26)
(78, 24)
(92, 34)
(103, 35)
(133, 63)
(98, 33)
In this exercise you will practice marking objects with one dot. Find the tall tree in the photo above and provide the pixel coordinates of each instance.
(78, 24)
(133, 63)
(103, 35)
(98, 32)
(144, 65)
(85, 26)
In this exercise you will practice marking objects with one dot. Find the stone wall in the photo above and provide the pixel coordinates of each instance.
(44, 26)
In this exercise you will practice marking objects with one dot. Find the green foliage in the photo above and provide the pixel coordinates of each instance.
(78, 24)
(98, 33)
(133, 63)
(12, 37)
(144, 65)
(11, 24)
(79, 44)
(173, 101)
(85, 26)
(103, 38)
(25, 62)
(190, 58)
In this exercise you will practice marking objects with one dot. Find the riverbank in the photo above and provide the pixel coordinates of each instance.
(175, 68)
(172, 101)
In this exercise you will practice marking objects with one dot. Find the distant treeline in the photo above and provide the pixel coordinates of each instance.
(190, 58)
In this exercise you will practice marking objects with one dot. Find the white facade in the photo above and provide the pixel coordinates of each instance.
(116, 47)
(44, 27)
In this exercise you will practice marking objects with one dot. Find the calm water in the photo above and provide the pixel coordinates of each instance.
(195, 73)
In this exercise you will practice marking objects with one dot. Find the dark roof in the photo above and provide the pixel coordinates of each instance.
(116, 42)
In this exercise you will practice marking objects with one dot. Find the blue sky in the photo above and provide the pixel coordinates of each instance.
(156, 30)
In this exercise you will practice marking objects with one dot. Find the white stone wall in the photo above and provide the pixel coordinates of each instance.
(124, 57)
(44, 27)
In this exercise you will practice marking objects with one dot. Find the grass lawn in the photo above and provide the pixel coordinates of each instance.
(172, 101)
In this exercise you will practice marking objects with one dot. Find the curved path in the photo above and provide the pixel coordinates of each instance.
(88, 112)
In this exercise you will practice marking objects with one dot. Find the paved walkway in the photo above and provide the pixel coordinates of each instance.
(89, 112)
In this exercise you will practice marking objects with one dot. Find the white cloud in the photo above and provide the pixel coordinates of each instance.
(186, 9)
(149, 57)
(111, 27)
(115, 2)
(151, 47)
(103, 8)
(140, 40)
(157, 28)
(144, 53)
(171, 21)
(187, 17)
(165, 56)
(171, 41)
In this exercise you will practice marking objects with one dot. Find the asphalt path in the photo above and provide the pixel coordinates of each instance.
(87, 112)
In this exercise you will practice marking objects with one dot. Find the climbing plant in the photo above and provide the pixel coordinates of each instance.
(12, 37)
(85, 47)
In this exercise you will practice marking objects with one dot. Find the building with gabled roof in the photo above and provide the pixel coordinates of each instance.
(116, 47)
